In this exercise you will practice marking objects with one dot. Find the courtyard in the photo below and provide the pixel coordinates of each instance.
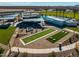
(38, 35)
(32, 34)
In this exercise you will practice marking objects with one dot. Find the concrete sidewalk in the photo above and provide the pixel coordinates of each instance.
(42, 51)
(13, 37)
(3, 46)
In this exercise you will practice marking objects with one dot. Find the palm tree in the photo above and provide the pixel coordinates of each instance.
(63, 12)
(56, 12)
(46, 10)
(74, 13)
(60, 12)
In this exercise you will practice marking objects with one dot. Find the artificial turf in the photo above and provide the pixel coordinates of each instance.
(5, 34)
(38, 35)
(57, 36)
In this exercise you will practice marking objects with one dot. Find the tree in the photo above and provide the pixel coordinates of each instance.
(56, 12)
(74, 13)
(46, 10)
(63, 12)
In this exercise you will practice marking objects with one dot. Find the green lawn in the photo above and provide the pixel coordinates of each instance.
(66, 14)
(5, 34)
(74, 28)
(33, 37)
(57, 36)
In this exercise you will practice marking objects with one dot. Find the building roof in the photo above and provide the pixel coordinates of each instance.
(8, 17)
(55, 18)
(34, 19)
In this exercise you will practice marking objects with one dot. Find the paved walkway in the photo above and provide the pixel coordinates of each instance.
(13, 37)
(17, 23)
(55, 28)
(41, 51)
(71, 30)
(3, 46)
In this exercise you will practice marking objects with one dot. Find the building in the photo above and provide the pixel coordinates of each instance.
(33, 17)
(30, 14)
(71, 22)
(54, 20)
(60, 21)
